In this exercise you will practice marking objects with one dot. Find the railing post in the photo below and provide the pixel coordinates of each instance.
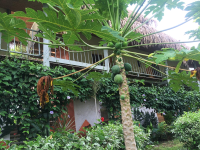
(167, 69)
(46, 51)
(107, 60)
(46, 48)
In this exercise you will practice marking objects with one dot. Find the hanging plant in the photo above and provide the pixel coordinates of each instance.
(42, 89)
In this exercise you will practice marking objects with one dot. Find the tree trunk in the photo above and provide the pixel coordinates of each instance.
(126, 110)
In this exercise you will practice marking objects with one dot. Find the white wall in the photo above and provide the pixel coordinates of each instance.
(6, 137)
(86, 111)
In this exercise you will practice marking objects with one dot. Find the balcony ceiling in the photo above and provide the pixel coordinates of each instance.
(19, 5)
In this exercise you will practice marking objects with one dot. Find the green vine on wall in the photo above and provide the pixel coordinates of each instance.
(19, 104)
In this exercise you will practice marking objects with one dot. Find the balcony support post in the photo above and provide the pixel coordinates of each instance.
(107, 60)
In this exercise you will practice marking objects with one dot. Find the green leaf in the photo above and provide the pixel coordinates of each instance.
(177, 80)
(87, 35)
(194, 11)
(11, 27)
(133, 35)
(164, 55)
(70, 38)
(76, 3)
(92, 16)
(113, 32)
(178, 66)
(72, 15)
(96, 76)
(95, 28)
(67, 86)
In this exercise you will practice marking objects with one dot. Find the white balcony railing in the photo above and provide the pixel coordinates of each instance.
(80, 59)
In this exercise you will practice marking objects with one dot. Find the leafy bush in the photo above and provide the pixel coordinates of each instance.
(19, 105)
(162, 132)
(169, 118)
(187, 129)
(99, 137)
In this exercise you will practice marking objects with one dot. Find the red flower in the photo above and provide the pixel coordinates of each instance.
(15, 134)
(102, 119)
(139, 125)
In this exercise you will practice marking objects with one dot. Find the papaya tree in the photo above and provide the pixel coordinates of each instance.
(102, 18)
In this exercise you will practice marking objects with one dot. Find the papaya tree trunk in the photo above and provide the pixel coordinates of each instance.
(126, 114)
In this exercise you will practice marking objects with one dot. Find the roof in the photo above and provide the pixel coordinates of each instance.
(155, 38)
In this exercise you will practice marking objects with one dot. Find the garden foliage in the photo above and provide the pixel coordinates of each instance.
(101, 137)
(187, 130)
(19, 105)
(162, 99)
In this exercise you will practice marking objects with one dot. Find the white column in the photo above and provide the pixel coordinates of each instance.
(46, 51)
(107, 60)
(167, 69)
(46, 48)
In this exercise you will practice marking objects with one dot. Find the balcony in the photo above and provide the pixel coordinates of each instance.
(76, 59)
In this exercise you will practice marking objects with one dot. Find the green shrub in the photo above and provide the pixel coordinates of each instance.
(169, 118)
(162, 132)
(106, 137)
(187, 129)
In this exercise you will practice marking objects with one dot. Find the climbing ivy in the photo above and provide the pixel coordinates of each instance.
(19, 104)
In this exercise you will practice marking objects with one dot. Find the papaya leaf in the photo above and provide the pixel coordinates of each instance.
(72, 15)
(178, 66)
(70, 38)
(47, 34)
(133, 35)
(95, 28)
(177, 80)
(193, 11)
(164, 54)
(11, 27)
(75, 3)
(194, 34)
(67, 86)
(101, 43)
(91, 17)
(96, 76)
(87, 35)
(113, 32)
(48, 17)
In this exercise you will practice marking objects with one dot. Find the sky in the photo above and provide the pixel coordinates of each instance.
(174, 17)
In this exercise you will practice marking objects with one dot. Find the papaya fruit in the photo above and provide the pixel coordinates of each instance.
(122, 97)
(115, 69)
(110, 44)
(124, 44)
(118, 79)
(127, 67)
(118, 45)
